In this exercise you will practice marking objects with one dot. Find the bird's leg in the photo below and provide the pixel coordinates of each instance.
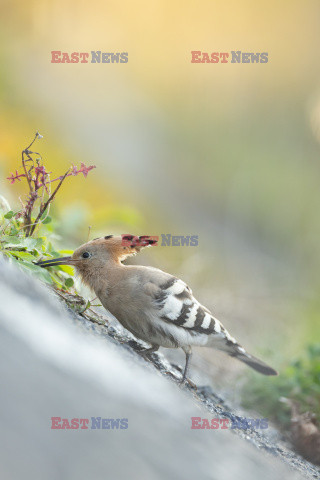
(147, 351)
(188, 352)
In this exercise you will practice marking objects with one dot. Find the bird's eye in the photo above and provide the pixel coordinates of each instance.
(86, 255)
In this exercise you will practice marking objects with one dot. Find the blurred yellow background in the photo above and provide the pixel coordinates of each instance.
(229, 152)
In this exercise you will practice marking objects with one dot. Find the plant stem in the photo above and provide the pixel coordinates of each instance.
(47, 203)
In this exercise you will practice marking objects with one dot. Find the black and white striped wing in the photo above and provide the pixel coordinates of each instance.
(177, 306)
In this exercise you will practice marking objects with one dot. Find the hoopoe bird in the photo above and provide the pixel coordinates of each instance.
(154, 306)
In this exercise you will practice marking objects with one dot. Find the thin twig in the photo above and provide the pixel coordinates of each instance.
(43, 209)
(35, 137)
(26, 173)
(26, 151)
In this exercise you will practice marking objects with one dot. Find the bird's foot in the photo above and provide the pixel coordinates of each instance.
(184, 382)
(147, 351)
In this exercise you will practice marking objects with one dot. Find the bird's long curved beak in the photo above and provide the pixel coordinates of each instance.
(56, 261)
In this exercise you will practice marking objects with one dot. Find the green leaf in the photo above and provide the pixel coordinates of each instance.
(28, 266)
(65, 253)
(46, 220)
(9, 214)
(30, 243)
(39, 242)
(69, 282)
(13, 240)
(22, 255)
(67, 269)
(43, 274)
(36, 271)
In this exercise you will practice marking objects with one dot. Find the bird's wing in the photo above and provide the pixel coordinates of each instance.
(175, 304)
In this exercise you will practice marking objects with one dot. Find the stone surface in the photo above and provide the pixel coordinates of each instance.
(56, 363)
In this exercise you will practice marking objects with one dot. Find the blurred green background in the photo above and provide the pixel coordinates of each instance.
(228, 152)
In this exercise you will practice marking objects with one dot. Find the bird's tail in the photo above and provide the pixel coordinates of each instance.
(255, 363)
(228, 344)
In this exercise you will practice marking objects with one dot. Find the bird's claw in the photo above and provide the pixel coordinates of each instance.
(186, 381)
(147, 352)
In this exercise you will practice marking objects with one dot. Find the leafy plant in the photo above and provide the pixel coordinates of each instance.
(26, 235)
(40, 196)
(299, 381)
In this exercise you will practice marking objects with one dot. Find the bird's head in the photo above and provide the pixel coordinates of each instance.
(98, 252)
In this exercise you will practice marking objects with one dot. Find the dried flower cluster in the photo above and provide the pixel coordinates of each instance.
(39, 184)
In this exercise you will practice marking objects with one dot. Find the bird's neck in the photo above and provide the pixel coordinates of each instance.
(103, 276)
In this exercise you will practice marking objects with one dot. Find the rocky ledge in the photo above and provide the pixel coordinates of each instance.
(130, 418)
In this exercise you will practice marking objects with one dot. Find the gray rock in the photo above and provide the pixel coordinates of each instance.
(55, 363)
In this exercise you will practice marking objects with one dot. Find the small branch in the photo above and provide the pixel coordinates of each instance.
(26, 173)
(26, 152)
(39, 185)
(47, 203)
(35, 137)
